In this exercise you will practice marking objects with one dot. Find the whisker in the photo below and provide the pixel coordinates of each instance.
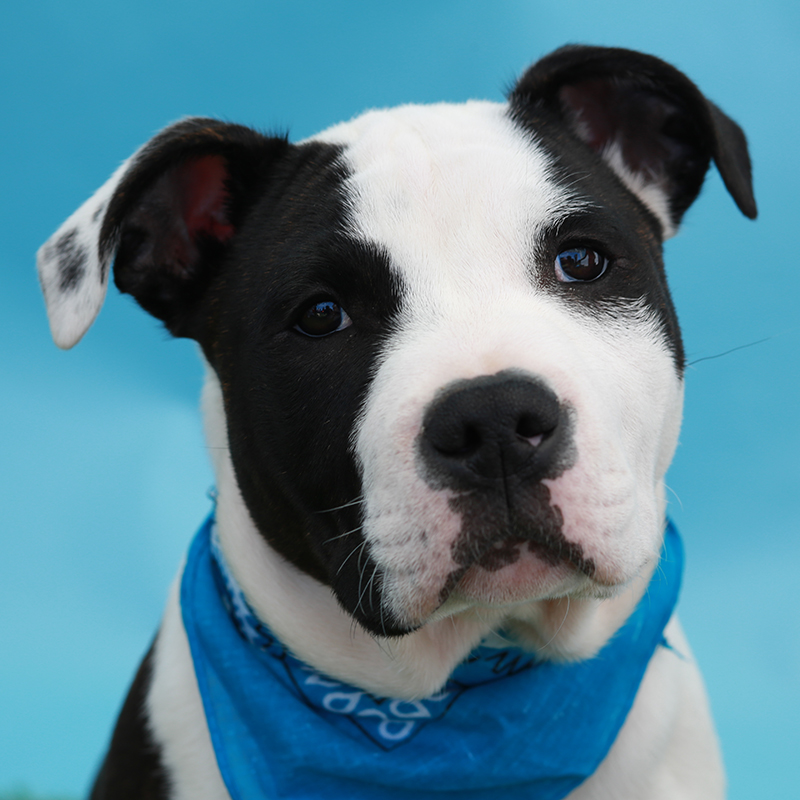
(384, 645)
(354, 626)
(360, 571)
(383, 625)
(558, 630)
(674, 493)
(498, 632)
(342, 535)
(355, 502)
(367, 588)
(732, 350)
(356, 548)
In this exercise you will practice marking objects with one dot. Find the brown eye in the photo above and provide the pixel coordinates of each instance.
(580, 264)
(322, 319)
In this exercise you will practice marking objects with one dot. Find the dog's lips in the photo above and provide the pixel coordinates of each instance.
(529, 576)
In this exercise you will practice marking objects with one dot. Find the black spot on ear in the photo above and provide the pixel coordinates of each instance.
(71, 257)
(98, 212)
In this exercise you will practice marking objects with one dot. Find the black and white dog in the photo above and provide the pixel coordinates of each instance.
(444, 386)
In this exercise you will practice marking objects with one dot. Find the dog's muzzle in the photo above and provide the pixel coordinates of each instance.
(492, 441)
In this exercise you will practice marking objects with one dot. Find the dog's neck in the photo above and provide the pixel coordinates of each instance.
(305, 616)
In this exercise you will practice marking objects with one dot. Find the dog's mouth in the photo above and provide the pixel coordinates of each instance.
(520, 526)
(506, 547)
(515, 568)
(500, 571)
(553, 550)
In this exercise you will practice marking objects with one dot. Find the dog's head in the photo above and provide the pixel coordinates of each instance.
(449, 362)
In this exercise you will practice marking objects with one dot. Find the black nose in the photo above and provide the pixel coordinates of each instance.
(496, 426)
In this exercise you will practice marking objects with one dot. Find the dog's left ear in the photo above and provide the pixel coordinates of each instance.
(646, 119)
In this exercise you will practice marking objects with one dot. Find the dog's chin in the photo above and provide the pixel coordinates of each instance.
(527, 579)
(531, 578)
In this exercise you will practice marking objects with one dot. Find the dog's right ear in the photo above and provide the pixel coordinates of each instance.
(164, 218)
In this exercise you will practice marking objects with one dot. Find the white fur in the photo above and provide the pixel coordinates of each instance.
(647, 187)
(318, 631)
(72, 312)
(175, 713)
(471, 309)
(667, 749)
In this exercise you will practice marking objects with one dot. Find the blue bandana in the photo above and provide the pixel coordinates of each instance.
(504, 724)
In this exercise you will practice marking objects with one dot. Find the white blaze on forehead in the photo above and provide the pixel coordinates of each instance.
(451, 192)
(456, 195)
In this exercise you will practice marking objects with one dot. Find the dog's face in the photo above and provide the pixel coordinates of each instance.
(521, 409)
(450, 366)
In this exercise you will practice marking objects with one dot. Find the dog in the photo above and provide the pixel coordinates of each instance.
(444, 385)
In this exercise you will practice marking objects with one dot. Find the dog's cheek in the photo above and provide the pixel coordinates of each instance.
(410, 528)
(628, 413)
(414, 542)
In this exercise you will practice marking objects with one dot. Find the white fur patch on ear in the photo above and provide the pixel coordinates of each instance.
(649, 188)
(73, 272)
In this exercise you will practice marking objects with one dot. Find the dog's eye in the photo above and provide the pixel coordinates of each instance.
(580, 264)
(323, 318)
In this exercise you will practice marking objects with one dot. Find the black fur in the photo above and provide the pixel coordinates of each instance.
(576, 101)
(238, 277)
(72, 259)
(132, 769)
(163, 257)
(291, 400)
(614, 222)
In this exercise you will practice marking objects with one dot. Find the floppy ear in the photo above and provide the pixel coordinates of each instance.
(646, 119)
(164, 218)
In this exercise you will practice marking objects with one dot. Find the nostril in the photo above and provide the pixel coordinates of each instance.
(533, 441)
(533, 429)
(456, 440)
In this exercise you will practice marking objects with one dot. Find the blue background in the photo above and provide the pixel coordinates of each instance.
(103, 471)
